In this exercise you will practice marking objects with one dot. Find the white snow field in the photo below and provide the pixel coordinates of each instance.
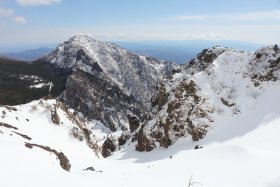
(229, 158)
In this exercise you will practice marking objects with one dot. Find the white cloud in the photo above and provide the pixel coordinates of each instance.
(191, 17)
(205, 36)
(257, 33)
(150, 36)
(10, 14)
(108, 35)
(36, 2)
(19, 19)
(262, 15)
(239, 16)
(98, 35)
(6, 12)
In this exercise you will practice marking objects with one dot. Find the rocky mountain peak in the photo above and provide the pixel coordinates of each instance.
(134, 73)
(204, 59)
(113, 82)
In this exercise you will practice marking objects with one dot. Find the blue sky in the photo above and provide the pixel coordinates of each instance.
(38, 22)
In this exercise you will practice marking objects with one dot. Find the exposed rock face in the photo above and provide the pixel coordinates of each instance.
(160, 98)
(108, 147)
(55, 117)
(124, 138)
(143, 142)
(204, 59)
(97, 97)
(184, 113)
(134, 122)
(266, 64)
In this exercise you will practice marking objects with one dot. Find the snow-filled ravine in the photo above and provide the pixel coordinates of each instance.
(242, 151)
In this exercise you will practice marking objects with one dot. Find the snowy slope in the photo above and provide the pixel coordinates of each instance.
(207, 92)
(248, 160)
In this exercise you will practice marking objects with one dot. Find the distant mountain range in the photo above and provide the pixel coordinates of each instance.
(182, 51)
(176, 51)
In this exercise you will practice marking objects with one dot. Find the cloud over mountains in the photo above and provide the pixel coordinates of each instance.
(37, 2)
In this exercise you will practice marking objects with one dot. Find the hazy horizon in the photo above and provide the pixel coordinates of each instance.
(37, 22)
(178, 51)
(24, 47)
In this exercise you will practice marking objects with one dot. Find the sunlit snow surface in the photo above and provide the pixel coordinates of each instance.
(249, 156)
(240, 150)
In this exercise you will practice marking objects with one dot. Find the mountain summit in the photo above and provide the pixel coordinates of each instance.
(134, 73)
(107, 82)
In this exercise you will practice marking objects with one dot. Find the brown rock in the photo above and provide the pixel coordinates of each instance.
(108, 147)
(144, 144)
(133, 122)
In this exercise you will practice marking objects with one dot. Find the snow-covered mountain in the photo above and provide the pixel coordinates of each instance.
(219, 84)
(134, 73)
(107, 82)
(217, 115)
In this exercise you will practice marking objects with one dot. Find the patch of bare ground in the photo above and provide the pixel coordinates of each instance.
(23, 135)
(92, 169)
(8, 126)
(64, 161)
(227, 103)
(10, 108)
